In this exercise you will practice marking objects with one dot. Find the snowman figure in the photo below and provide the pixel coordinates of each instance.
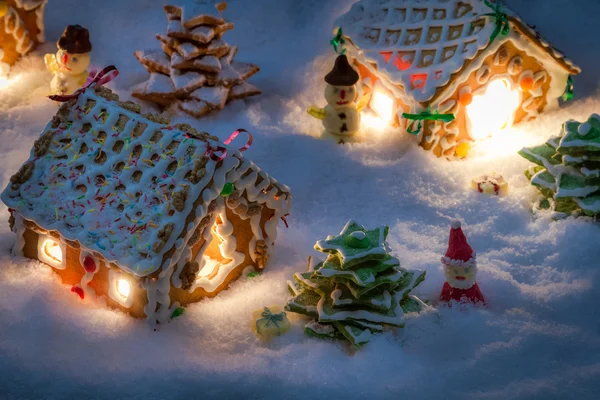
(341, 115)
(460, 270)
(70, 63)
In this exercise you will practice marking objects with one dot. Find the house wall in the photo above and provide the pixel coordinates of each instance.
(443, 138)
(26, 26)
(74, 271)
(369, 79)
(243, 235)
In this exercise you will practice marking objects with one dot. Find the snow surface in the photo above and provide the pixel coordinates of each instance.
(539, 338)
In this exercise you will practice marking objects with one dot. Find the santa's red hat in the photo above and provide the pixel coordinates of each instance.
(459, 252)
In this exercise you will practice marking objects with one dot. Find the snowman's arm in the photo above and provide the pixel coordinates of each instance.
(51, 63)
(317, 112)
(362, 102)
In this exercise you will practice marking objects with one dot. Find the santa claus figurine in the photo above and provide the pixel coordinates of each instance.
(70, 63)
(460, 269)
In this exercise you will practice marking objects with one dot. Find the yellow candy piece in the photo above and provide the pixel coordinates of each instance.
(3, 8)
(269, 322)
(462, 150)
(490, 184)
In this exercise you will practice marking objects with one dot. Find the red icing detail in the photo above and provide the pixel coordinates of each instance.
(89, 264)
(437, 75)
(342, 94)
(401, 64)
(472, 295)
(78, 290)
(458, 247)
(417, 81)
(386, 56)
(65, 58)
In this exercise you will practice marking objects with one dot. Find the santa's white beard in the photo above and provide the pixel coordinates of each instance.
(459, 284)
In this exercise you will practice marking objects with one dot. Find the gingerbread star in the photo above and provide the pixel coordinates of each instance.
(355, 244)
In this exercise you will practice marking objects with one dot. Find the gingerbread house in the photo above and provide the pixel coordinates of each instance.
(126, 206)
(449, 57)
(21, 29)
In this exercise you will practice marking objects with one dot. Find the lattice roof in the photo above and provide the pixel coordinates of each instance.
(420, 44)
(124, 185)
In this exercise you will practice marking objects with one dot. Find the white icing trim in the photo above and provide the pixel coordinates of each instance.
(19, 230)
(18, 22)
(159, 308)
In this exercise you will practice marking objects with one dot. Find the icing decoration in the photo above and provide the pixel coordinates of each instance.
(526, 84)
(490, 184)
(269, 322)
(78, 291)
(355, 291)
(567, 170)
(465, 98)
(462, 150)
(460, 270)
(19, 229)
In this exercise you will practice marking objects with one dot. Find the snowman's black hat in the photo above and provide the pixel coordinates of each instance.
(342, 73)
(75, 40)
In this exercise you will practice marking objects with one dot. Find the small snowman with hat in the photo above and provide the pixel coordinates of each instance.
(460, 270)
(69, 65)
(341, 115)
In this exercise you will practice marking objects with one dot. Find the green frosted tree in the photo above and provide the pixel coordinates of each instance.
(358, 290)
(568, 169)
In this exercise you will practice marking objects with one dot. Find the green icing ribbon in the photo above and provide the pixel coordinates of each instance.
(227, 189)
(568, 94)
(502, 24)
(338, 41)
(271, 319)
(178, 312)
(426, 116)
(253, 274)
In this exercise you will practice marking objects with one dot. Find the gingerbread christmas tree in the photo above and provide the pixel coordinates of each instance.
(358, 290)
(194, 69)
(568, 169)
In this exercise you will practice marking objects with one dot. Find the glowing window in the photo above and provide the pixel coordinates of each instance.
(382, 103)
(493, 109)
(51, 252)
(120, 288)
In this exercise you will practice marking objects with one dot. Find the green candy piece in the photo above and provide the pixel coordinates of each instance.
(227, 189)
(179, 311)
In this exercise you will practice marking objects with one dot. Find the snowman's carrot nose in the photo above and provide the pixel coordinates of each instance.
(65, 58)
(342, 94)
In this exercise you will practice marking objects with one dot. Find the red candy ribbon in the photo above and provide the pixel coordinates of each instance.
(102, 78)
(211, 151)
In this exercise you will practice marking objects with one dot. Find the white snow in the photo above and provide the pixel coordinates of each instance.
(539, 338)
